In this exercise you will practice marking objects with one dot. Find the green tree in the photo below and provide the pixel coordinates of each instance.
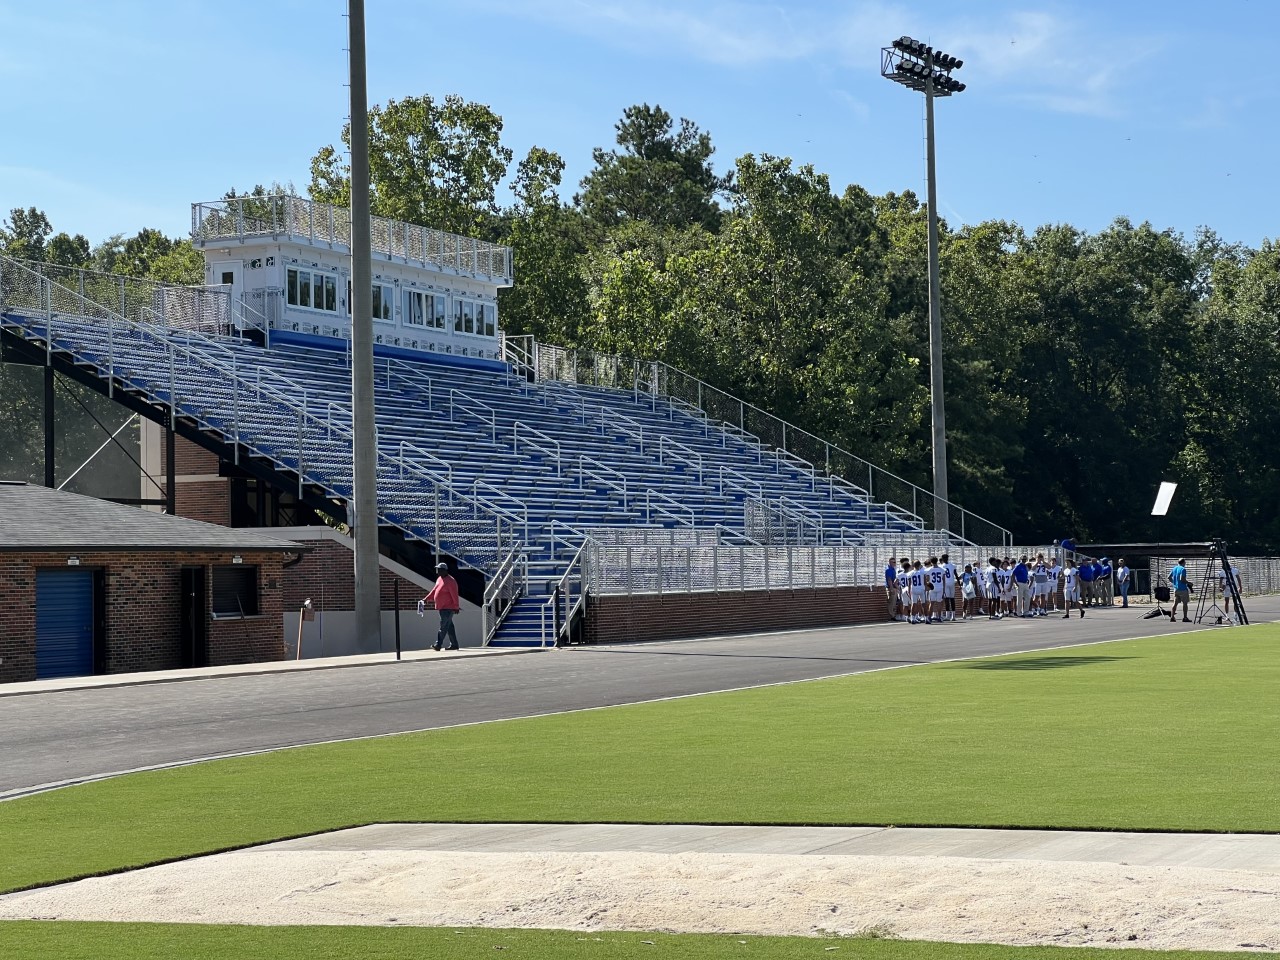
(661, 174)
(65, 250)
(24, 233)
(432, 163)
(547, 239)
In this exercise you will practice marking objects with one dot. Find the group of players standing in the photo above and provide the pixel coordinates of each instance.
(924, 591)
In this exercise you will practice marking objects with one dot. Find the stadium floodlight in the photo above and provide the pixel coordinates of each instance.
(918, 66)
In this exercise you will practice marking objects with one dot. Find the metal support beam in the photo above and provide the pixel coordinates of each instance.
(364, 455)
(941, 511)
(50, 480)
(170, 469)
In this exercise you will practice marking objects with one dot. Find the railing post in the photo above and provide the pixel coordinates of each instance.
(436, 505)
(301, 469)
(628, 571)
(715, 567)
(688, 568)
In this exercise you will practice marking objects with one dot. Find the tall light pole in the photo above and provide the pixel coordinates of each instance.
(920, 67)
(364, 453)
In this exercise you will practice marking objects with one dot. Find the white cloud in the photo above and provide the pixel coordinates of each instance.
(1037, 56)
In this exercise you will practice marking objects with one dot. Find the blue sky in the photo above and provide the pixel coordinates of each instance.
(118, 115)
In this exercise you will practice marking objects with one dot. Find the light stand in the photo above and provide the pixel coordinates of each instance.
(1164, 496)
(1218, 557)
(919, 67)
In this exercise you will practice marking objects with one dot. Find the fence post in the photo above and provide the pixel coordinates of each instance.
(300, 464)
(628, 571)
(395, 587)
(688, 568)
(715, 567)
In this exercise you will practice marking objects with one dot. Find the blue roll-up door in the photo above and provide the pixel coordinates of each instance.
(64, 623)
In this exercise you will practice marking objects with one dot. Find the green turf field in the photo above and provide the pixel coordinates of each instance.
(1170, 733)
(107, 941)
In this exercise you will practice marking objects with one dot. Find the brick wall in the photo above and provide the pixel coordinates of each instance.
(201, 493)
(142, 604)
(207, 500)
(326, 576)
(190, 459)
(675, 616)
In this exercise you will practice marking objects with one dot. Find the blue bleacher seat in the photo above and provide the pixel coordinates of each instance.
(475, 459)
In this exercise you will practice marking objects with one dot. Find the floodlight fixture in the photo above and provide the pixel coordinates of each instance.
(918, 66)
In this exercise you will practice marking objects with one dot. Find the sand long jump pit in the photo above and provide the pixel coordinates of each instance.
(1154, 891)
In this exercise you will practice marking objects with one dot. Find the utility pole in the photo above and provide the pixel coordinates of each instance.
(937, 404)
(919, 67)
(363, 507)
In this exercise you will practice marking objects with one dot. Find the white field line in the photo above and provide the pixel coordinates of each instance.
(95, 778)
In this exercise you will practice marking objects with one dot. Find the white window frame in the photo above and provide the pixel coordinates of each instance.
(315, 279)
(386, 298)
(420, 299)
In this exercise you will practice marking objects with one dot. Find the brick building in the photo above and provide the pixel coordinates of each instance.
(95, 587)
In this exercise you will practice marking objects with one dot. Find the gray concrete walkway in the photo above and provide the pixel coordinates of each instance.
(106, 681)
(1255, 852)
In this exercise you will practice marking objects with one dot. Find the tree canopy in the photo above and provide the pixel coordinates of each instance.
(1081, 368)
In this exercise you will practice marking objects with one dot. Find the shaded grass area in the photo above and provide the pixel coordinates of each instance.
(1169, 733)
(104, 941)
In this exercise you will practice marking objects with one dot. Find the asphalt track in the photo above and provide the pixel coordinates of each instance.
(72, 736)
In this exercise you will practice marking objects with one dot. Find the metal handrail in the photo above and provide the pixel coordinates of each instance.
(472, 401)
(563, 591)
(651, 494)
(521, 513)
(805, 514)
(744, 483)
(579, 536)
(425, 455)
(658, 379)
(682, 453)
(512, 573)
(551, 448)
(602, 477)
(278, 215)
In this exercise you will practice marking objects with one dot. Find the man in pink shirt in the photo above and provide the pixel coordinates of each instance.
(444, 597)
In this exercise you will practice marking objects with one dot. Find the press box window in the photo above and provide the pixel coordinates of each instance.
(313, 290)
(490, 321)
(235, 591)
(423, 309)
(382, 294)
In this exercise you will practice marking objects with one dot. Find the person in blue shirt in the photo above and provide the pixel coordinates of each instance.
(1105, 583)
(1181, 592)
(1087, 576)
(891, 586)
(1022, 584)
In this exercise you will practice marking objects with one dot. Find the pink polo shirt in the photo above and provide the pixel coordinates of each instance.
(444, 595)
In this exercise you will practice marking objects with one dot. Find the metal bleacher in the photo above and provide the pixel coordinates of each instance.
(501, 471)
